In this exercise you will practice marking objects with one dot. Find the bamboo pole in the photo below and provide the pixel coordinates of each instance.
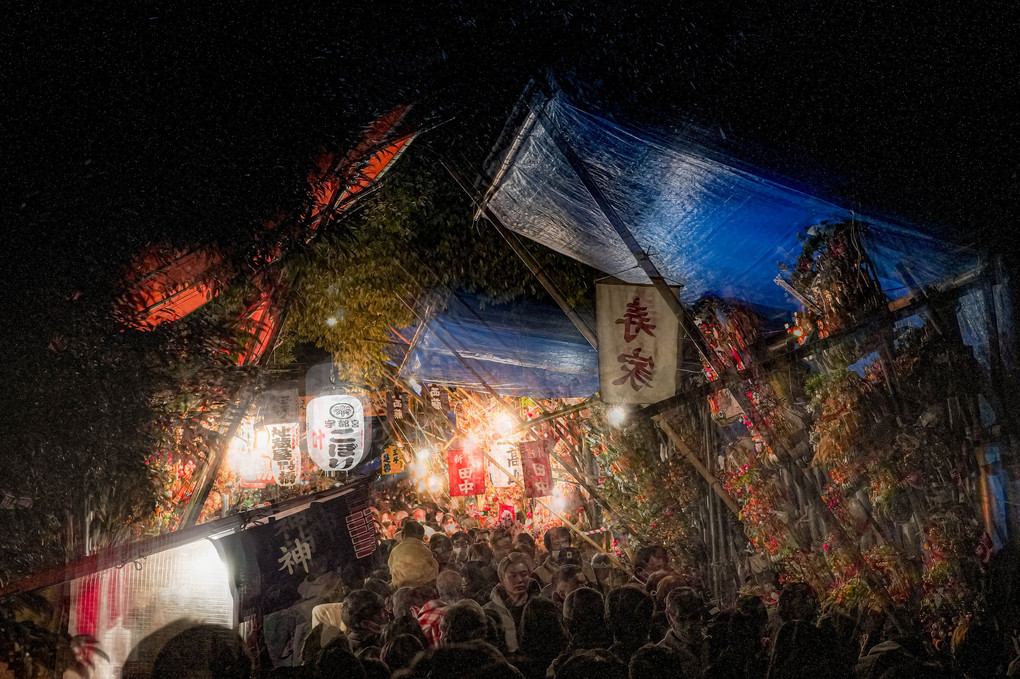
(697, 464)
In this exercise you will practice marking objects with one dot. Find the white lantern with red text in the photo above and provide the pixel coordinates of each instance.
(336, 431)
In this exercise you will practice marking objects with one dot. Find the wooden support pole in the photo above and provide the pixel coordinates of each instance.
(690, 456)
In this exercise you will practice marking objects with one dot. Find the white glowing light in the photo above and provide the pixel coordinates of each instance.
(504, 423)
(425, 453)
(558, 504)
(331, 321)
(435, 484)
(617, 416)
(470, 443)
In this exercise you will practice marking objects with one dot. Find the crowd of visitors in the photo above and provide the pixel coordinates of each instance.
(489, 604)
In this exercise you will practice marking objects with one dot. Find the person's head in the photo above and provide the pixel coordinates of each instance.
(501, 542)
(474, 584)
(412, 529)
(525, 543)
(482, 535)
(654, 662)
(449, 524)
(387, 525)
(463, 621)
(798, 601)
(461, 542)
(541, 632)
(442, 548)
(602, 565)
(455, 661)
(977, 649)
(449, 584)
(409, 599)
(584, 613)
(400, 651)
(753, 607)
(685, 606)
(374, 668)
(480, 552)
(652, 583)
(335, 660)
(649, 559)
(515, 574)
(629, 614)
(555, 539)
(590, 664)
(204, 651)
(364, 611)
(665, 586)
(377, 585)
(566, 580)
(419, 514)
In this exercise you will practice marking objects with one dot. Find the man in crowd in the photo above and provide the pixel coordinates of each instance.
(509, 597)
(411, 562)
(449, 585)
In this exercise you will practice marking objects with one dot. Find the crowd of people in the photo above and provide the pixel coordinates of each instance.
(488, 603)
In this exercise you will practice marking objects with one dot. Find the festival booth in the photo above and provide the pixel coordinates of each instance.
(259, 572)
(824, 392)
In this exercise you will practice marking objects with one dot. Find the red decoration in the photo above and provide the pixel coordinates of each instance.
(467, 473)
(537, 470)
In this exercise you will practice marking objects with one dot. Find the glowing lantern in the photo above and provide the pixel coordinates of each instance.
(248, 457)
(506, 455)
(336, 431)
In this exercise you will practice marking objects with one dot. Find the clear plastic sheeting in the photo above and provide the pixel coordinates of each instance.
(708, 223)
(521, 348)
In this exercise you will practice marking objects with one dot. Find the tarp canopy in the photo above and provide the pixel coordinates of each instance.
(520, 348)
(708, 222)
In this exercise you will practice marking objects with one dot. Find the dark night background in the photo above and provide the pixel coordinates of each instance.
(147, 122)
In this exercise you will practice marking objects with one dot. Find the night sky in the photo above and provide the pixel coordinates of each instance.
(154, 121)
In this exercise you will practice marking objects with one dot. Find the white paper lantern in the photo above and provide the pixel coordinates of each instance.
(336, 431)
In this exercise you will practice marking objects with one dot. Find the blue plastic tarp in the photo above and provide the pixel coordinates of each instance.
(520, 348)
(708, 222)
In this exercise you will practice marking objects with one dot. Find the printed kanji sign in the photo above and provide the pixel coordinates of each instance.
(279, 406)
(437, 397)
(467, 473)
(538, 481)
(638, 344)
(392, 460)
(398, 405)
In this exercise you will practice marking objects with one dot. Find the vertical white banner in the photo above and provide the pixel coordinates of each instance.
(638, 344)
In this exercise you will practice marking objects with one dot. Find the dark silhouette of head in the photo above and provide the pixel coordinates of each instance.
(798, 601)
(400, 652)
(684, 606)
(463, 621)
(203, 651)
(629, 614)
(412, 529)
(584, 613)
(655, 662)
(592, 664)
(336, 660)
(556, 538)
(456, 661)
(541, 632)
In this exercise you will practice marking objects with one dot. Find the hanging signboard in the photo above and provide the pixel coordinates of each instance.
(249, 458)
(279, 406)
(538, 480)
(638, 344)
(398, 405)
(467, 473)
(279, 556)
(392, 460)
(336, 432)
(285, 454)
(436, 397)
(506, 455)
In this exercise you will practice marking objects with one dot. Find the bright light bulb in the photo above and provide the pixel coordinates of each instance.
(331, 321)
(616, 416)
(470, 443)
(503, 422)
(435, 484)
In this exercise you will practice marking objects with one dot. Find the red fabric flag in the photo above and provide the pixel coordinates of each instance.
(538, 480)
(467, 473)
